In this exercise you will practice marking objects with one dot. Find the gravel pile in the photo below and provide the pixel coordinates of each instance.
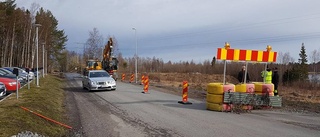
(27, 134)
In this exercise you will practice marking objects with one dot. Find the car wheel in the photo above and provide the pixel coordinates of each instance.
(89, 88)
(83, 87)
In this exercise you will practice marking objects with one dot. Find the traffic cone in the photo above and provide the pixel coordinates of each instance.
(184, 93)
(146, 85)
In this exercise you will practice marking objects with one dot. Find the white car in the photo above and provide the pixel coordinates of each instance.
(98, 80)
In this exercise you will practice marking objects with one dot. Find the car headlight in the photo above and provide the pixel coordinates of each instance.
(112, 82)
(12, 83)
(93, 82)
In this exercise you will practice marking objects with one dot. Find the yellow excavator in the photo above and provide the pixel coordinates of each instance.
(108, 63)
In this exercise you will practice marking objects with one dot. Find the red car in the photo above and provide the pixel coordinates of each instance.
(11, 84)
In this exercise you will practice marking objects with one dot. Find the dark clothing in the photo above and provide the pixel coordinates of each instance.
(95, 65)
(275, 81)
(241, 76)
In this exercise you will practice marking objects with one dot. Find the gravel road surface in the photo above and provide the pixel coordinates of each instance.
(128, 112)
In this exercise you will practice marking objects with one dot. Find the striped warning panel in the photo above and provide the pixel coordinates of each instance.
(246, 55)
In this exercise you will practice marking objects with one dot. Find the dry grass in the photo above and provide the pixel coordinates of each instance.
(300, 99)
(46, 100)
(302, 95)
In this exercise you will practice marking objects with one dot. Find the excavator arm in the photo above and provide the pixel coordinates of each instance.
(109, 63)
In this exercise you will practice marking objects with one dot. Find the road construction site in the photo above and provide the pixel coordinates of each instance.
(128, 112)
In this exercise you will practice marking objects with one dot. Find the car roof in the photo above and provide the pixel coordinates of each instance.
(97, 71)
(8, 68)
(4, 69)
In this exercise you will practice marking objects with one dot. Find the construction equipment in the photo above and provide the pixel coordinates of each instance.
(109, 62)
(92, 64)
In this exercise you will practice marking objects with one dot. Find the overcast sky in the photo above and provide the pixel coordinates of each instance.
(185, 30)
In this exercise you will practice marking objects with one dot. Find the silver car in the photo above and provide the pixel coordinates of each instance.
(98, 80)
(2, 89)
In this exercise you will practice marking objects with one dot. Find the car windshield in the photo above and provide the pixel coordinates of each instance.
(10, 69)
(5, 71)
(2, 73)
(98, 74)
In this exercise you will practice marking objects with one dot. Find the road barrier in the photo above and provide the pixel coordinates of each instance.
(248, 88)
(142, 80)
(228, 97)
(123, 77)
(132, 77)
(184, 93)
(146, 85)
(215, 96)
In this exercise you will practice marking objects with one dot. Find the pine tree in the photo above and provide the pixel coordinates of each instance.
(213, 62)
(303, 66)
(303, 56)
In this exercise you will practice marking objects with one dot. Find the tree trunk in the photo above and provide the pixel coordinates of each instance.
(32, 48)
(12, 44)
(6, 50)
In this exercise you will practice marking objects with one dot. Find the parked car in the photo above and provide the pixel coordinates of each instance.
(11, 84)
(37, 72)
(23, 74)
(8, 74)
(3, 89)
(31, 74)
(98, 80)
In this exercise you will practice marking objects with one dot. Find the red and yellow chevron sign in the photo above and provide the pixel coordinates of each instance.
(246, 55)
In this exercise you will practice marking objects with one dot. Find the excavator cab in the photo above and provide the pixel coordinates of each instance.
(114, 63)
(94, 65)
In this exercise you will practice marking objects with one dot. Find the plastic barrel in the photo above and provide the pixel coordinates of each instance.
(218, 107)
(264, 88)
(219, 88)
(213, 98)
(245, 88)
(247, 107)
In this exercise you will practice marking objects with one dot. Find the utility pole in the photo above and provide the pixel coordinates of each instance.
(37, 45)
(136, 56)
(43, 60)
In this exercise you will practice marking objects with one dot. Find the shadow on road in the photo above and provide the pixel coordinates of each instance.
(197, 106)
(146, 101)
(169, 103)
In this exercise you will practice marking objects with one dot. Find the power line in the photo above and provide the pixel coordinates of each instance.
(279, 38)
(252, 25)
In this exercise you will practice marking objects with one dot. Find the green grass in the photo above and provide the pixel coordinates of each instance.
(47, 100)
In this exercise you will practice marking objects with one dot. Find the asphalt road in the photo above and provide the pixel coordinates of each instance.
(128, 112)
